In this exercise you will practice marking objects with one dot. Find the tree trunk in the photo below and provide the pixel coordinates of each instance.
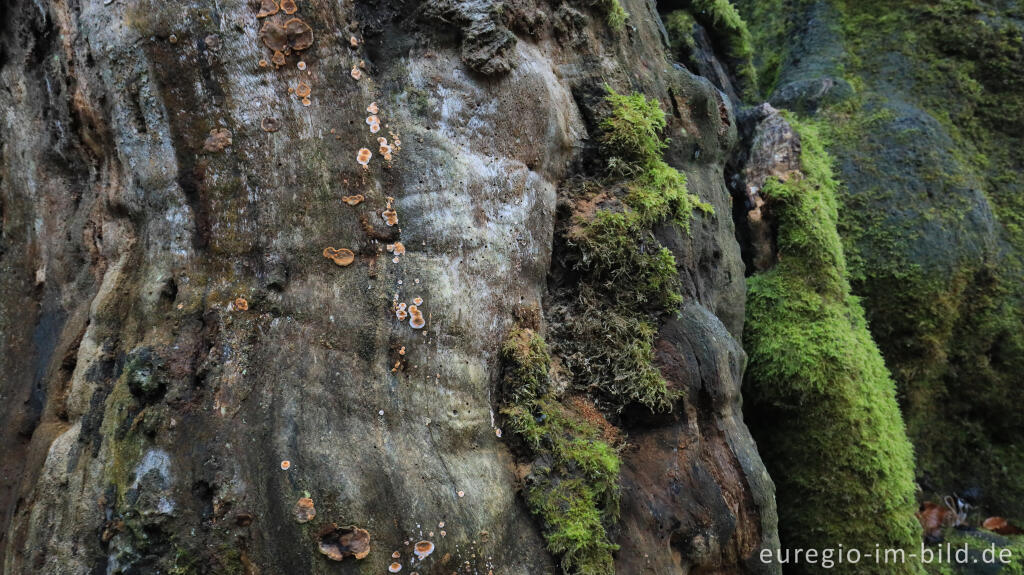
(181, 363)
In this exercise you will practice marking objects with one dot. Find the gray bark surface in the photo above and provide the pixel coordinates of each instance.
(145, 416)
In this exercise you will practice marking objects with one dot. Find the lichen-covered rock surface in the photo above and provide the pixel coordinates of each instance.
(181, 362)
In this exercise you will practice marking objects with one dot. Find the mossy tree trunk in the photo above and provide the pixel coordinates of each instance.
(172, 333)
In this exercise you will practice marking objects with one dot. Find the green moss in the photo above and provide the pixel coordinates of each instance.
(944, 307)
(573, 486)
(606, 335)
(823, 405)
(609, 350)
(632, 130)
(615, 14)
(728, 31)
(679, 25)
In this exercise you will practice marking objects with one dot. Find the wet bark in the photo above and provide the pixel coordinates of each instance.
(147, 411)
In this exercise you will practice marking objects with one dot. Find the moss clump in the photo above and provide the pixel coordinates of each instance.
(679, 25)
(728, 32)
(615, 14)
(573, 485)
(931, 148)
(605, 333)
(823, 405)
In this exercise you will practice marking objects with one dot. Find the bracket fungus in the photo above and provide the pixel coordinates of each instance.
(394, 567)
(304, 510)
(418, 301)
(300, 35)
(286, 465)
(338, 543)
(416, 320)
(423, 549)
(274, 36)
(371, 120)
(353, 41)
(241, 304)
(356, 73)
(293, 35)
(363, 157)
(267, 8)
(303, 90)
(278, 59)
(270, 125)
(397, 248)
(372, 108)
(342, 257)
(353, 200)
(218, 139)
(289, 7)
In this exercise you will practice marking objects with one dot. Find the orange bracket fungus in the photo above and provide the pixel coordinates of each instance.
(288, 6)
(218, 139)
(356, 73)
(303, 90)
(423, 549)
(397, 248)
(274, 36)
(394, 568)
(267, 8)
(372, 108)
(338, 543)
(353, 41)
(304, 510)
(390, 217)
(286, 465)
(371, 120)
(241, 304)
(363, 157)
(342, 257)
(294, 35)
(300, 35)
(278, 58)
(353, 200)
(417, 301)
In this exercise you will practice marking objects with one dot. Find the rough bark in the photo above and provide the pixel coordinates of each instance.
(146, 415)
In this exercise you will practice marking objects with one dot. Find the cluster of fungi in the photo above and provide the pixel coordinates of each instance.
(285, 35)
(282, 32)
(412, 312)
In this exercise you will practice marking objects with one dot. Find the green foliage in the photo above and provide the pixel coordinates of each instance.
(573, 486)
(824, 408)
